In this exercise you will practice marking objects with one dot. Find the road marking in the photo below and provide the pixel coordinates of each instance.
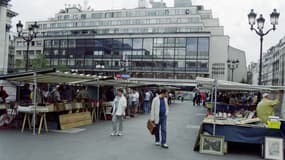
(193, 126)
(200, 114)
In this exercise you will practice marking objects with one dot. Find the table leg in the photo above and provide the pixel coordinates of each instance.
(40, 126)
(93, 115)
(104, 112)
(29, 122)
(45, 123)
(24, 123)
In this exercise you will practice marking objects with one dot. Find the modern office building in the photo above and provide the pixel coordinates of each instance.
(6, 14)
(273, 67)
(180, 42)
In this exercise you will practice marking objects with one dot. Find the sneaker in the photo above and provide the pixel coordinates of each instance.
(157, 143)
(164, 146)
(120, 134)
(113, 134)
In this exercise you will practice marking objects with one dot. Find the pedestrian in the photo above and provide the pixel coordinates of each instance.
(3, 95)
(119, 107)
(134, 102)
(147, 97)
(265, 107)
(194, 95)
(159, 113)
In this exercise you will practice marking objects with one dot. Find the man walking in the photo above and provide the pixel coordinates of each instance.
(119, 107)
(159, 112)
(147, 97)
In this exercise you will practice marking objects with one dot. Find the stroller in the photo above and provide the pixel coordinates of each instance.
(7, 119)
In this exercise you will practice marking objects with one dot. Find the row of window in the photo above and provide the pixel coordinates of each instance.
(129, 13)
(33, 43)
(193, 48)
(192, 52)
(147, 30)
(186, 20)
(198, 66)
(31, 52)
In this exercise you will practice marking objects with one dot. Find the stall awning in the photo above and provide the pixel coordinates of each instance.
(208, 83)
(115, 83)
(50, 76)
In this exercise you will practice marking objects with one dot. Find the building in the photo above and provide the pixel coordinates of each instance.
(273, 67)
(252, 73)
(182, 3)
(180, 42)
(11, 53)
(6, 14)
(240, 73)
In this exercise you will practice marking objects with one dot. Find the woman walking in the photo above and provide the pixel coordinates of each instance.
(119, 107)
(159, 113)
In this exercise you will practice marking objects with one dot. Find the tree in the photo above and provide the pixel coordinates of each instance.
(243, 81)
(62, 68)
(40, 62)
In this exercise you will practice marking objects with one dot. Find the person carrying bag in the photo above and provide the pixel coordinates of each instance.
(159, 113)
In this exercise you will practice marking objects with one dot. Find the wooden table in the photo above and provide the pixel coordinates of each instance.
(28, 111)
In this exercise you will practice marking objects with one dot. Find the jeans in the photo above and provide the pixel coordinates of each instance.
(161, 127)
(117, 120)
(146, 106)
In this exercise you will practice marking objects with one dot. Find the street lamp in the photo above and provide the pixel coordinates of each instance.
(232, 65)
(274, 16)
(28, 37)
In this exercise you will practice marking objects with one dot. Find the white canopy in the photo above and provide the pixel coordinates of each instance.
(209, 83)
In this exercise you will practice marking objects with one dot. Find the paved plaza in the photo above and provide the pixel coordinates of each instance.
(95, 143)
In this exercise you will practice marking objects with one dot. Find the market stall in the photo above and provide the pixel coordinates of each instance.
(104, 104)
(237, 123)
(70, 113)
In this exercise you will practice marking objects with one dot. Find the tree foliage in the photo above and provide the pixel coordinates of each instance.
(40, 62)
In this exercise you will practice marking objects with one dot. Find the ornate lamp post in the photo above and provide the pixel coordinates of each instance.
(28, 37)
(274, 17)
(232, 65)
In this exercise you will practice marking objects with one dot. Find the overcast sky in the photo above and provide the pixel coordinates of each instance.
(232, 15)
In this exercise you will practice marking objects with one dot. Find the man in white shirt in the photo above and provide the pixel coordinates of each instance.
(147, 97)
(119, 107)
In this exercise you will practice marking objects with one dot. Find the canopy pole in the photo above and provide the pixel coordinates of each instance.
(35, 103)
(98, 99)
(215, 107)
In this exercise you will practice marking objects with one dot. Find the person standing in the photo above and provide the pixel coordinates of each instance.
(265, 107)
(159, 113)
(134, 102)
(147, 97)
(119, 107)
(3, 95)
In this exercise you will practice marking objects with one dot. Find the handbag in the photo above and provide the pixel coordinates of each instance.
(151, 126)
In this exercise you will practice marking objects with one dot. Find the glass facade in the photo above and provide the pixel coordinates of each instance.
(142, 57)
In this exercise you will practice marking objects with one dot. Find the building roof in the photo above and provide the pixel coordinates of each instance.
(4, 2)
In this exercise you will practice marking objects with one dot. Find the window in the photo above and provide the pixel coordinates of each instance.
(169, 53)
(137, 46)
(180, 53)
(75, 16)
(203, 48)
(158, 42)
(180, 42)
(83, 16)
(18, 53)
(66, 17)
(169, 42)
(147, 47)
(48, 44)
(192, 44)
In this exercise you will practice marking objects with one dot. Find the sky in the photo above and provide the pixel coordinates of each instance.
(231, 13)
